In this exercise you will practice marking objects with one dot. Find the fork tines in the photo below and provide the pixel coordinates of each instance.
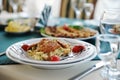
(16, 50)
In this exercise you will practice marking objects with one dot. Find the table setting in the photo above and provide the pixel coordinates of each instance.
(10, 39)
(29, 35)
(13, 39)
(61, 44)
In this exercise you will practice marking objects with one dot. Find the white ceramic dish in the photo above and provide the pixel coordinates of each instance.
(45, 35)
(56, 66)
(89, 54)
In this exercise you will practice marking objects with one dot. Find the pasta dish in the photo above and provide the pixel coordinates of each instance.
(45, 49)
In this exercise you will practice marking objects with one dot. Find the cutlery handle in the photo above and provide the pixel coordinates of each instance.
(2, 53)
(83, 74)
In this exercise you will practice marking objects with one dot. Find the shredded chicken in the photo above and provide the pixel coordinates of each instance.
(70, 32)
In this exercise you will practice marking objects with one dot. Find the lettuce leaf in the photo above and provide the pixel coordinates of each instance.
(42, 30)
(76, 27)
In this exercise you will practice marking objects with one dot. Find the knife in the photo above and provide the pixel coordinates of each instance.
(89, 70)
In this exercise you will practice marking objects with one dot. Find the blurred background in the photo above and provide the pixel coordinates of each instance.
(60, 8)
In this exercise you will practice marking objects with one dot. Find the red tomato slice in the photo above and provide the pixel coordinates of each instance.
(55, 58)
(25, 47)
(78, 48)
(65, 27)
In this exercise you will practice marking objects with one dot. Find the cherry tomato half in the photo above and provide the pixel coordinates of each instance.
(54, 58)
(65, 27)
(25, 47)
(78, 48)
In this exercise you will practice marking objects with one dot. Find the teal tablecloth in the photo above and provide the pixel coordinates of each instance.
(6, 40)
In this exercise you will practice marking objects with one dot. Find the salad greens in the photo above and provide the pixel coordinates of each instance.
(76, 27)
(9, 20)
(42, 30)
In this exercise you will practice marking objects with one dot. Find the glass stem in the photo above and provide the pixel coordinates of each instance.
(113, 64)
(15, 9)
(78, 13)
(87, 15)
(105, 71)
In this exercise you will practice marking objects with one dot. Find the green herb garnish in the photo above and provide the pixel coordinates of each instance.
(42, 30)
(76, 27)
(9, 20)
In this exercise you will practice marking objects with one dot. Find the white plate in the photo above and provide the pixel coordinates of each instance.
(22, 58)
(90, 49)
(113, 32)
(45, 35)
(42, 66)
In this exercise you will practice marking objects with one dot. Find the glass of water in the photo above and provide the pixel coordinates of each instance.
(110, 21)
(108, 47)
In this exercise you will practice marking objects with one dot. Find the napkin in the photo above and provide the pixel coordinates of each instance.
(45, 15)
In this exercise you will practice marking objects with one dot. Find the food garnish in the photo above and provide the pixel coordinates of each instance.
(25, 47)
(77, 27)
(78, 48)
(55, 58)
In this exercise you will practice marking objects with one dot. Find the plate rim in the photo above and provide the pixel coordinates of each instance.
(42, 66)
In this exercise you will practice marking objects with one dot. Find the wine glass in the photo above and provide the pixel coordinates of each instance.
(14, 4)
(88, 9)
(108, 48)
(78, 6)
(110, 21)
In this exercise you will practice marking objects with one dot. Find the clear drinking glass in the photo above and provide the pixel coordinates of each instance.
(110, 22)
(78, 6)
(108, 48)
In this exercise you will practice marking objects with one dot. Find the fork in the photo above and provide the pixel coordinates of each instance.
(15, 50)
